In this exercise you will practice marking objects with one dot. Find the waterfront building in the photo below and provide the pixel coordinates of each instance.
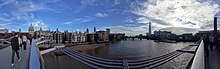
(162, 35)
(78, 37)
(103, 36)
(5, 34)
(74, 37)
(42, 33)
(186, 37)
(92, 38)
(116, 36)
(65, 36)
(3, 31)
(57, 36)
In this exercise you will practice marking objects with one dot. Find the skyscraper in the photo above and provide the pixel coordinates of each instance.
(149, 28)
(108, 30)
(94, 29)
(87, 30)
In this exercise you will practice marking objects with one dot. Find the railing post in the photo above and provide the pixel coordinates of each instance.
(125, 64)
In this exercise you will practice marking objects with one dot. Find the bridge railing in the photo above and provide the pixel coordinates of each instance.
(199, 58)
(36, 60)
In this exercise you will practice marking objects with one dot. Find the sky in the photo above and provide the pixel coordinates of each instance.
(121, 16)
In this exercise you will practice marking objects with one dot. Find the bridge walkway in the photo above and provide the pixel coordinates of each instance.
(213, 60)
(5, 59)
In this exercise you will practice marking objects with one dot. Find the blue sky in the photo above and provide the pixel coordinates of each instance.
(121, 16)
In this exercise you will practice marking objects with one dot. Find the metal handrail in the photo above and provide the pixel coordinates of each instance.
(35, 61)
(199, 59)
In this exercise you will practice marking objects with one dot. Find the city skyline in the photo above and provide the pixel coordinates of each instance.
(128, 16)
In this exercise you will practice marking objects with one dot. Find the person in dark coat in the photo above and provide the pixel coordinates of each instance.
(206, 45)
(15, 47)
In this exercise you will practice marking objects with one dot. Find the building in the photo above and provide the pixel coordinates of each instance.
(108, 30)
(65, 36)
(92, 38)
(42, 33)
(5, 34)
(78, 37)
(103, 36)
(31, 30)
(57, 36)
(94, 29)
(186, 37)
(149, 32)
(98, 36)
(87, 30)
(162, 35)
(116, 36)
(3, 31)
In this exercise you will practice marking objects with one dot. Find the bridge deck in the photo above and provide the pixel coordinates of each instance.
(213, 59)
(5, 59)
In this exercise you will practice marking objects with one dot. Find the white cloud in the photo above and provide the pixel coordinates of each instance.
(116, 2)
(83, 19)
(129, 20)
(128, 30)
(177, 13)
(5, 24)
(101, 14)
(67, 23)
(38, 23)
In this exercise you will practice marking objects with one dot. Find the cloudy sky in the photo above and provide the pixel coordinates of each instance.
(121, 16)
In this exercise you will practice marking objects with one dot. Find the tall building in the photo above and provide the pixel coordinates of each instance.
(31, 30)
(94, 29)
(19, 30)
(215, 25)
(87, 30)
(108, 30)
(149, 28)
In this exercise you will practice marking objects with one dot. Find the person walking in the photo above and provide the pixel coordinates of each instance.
(20, 42)
(211, 40)
(24, 41)
(206, 44)
(15, 48)
(30, 39)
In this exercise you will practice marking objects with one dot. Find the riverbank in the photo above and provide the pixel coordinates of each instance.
(79, 48)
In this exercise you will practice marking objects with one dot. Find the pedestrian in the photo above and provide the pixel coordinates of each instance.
(24, 41)
(15, 48)
(30, 39)
(20, 42)
(206, 44)
(211, 41)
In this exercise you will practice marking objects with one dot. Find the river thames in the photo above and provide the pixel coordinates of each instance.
(129, 49)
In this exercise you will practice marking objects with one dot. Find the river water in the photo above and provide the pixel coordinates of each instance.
(129, 49)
